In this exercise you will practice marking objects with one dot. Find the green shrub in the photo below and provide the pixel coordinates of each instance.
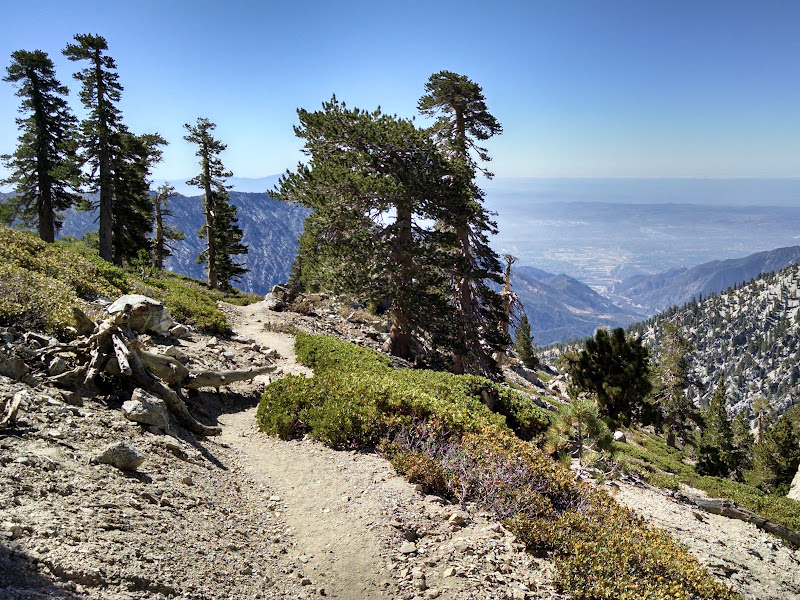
(191, 304)
(437, 430)
(323, 353)
(34, 301)
(47, 278)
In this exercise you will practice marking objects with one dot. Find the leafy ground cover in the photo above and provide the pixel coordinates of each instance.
(664, 466)
(39, 283)
(437, 429)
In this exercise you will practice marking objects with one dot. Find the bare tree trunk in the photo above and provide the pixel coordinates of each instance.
(399, 334)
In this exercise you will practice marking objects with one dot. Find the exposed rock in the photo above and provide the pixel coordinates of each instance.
(273, 302)
(121, 455)
(178, 354)
(408, 548)
(147, 315)
(145, 408)
(179, 331)
(794, 490)
(13, 367)
(619, 436)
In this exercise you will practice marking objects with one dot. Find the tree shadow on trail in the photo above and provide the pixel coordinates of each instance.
(19, 579)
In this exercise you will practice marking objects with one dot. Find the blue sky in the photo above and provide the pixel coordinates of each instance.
(583, 89)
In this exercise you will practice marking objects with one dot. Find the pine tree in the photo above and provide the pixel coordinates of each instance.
(163, 233)
(742, 443)
(670, 382)
(371, 180)
(523, 344)
(616, 370)
(716, 455)
(43, 169)
(132, 200)
(462, 121)
(221, 231)
(776, 457)
(577, 428)
(102, 129)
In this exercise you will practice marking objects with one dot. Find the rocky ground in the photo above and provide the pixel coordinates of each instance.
(246, 516)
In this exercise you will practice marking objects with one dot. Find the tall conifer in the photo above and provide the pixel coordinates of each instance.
(463, 120)
(102, 128)
(373, 181)
(221, 231)
(43, 167)
(163, 232)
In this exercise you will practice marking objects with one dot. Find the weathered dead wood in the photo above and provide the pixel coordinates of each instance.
(113, 349)
(10, 410)
(728, 508)
(174, 403)
(122, 353)
(216, 379)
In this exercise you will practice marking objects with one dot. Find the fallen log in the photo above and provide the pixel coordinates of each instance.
(728, 508)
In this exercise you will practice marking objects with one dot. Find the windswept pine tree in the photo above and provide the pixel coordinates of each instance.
(163, 232)
(463, 121)
(43, 167)
(373, 181)
(221, 230)
(101, 130)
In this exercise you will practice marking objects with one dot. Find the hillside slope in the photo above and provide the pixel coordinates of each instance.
(561, 308)
(653, 293)
(750, 334)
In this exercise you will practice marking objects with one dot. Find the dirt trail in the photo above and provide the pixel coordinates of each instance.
(358, 529)
(329, 506)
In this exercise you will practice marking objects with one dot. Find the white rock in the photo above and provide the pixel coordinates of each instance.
(147, 409)
(794, 490)
(147, 315)
(408, 548)
(619, 436)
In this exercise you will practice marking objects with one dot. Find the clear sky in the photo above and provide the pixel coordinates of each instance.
(645, 88)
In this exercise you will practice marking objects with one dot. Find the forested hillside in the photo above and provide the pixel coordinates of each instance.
(271, 229)
(749, 334)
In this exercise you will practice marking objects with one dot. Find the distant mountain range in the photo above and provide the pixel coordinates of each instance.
(649, 294)
(561, 308)
(271, 230)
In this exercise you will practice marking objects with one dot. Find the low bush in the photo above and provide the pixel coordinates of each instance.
(40, 281)
(602, 549)
(359, 392)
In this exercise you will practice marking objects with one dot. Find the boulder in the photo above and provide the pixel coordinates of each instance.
(619, 436)
(794, 490)
(147, 409)
(121, 455)
(147, 315)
